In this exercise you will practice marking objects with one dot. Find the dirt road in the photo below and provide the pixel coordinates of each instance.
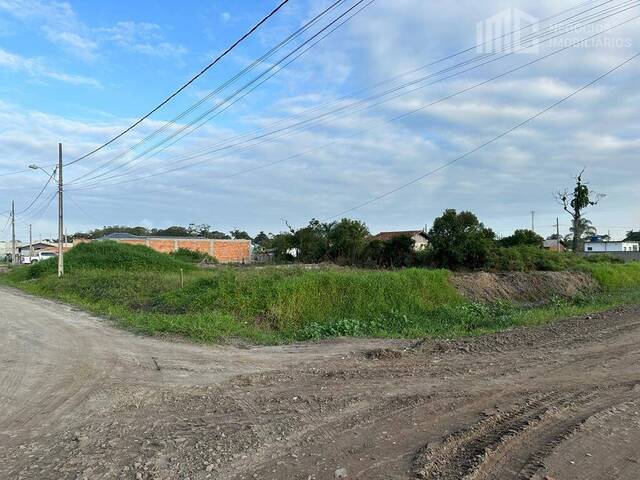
(81, 399)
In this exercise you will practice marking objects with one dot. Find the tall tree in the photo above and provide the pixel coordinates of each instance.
(460, 240)
(574, 203)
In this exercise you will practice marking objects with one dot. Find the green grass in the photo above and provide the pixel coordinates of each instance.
(110, 256)
(141, 290)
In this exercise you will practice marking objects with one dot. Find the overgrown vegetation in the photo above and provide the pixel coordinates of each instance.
(191, 256)
(141, 289)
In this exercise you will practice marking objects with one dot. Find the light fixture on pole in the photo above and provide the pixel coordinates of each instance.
(60, 207)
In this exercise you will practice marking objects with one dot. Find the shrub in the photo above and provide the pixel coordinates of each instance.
(460, 240)
(522, 237)
(109, 256)
(191, 256)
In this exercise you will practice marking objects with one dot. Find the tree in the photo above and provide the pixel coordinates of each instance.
(522, 237)
(312, 241)
(399, 251)
(575, 203)
(174, 231)
(460, 240)
(239, 235)
(261, 239)
(632, 236)
(281, 244)
(347, 240)
(587, 231)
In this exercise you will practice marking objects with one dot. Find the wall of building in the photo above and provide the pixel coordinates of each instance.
(225, 251)
(611, 247)
(625, 256)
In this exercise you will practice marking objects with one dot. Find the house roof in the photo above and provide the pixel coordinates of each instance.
(384, 236)
(552, 244)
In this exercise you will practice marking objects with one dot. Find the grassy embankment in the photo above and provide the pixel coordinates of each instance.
(141, 290)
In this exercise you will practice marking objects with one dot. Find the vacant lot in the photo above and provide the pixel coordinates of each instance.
(143, 290)
(81, 399)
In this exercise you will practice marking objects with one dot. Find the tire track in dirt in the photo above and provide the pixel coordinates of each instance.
(514, 444)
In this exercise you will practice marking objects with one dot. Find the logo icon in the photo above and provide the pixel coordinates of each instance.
(509, 31)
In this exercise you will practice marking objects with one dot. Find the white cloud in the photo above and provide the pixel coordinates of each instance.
(35, 67)
(58, 22)
(598, 129)
(142, 37)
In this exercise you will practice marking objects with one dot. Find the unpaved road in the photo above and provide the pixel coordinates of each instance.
(81, 399)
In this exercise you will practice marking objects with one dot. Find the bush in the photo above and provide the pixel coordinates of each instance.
(191, 256)
(460, 240)
(522, 237)
(109, 256)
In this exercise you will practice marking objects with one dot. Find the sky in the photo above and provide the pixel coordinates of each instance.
(81, 72)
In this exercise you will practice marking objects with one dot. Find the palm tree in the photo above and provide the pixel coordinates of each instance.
(586, 230)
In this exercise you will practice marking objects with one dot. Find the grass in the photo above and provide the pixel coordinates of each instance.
(141, 290)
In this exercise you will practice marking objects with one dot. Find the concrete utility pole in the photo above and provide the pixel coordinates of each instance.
(60, 216)
(14, 254)
(533, 221)
(30, 242)
(558, 233)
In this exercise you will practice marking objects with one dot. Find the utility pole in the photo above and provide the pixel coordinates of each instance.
(14, 254)
(533, 222)
(558, 233)
(60, 216)
(30, 242)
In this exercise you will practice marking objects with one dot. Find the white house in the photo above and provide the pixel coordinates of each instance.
(601, 247)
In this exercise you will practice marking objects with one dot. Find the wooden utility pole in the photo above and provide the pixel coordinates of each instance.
(60, 216)
(30, 243)
(14, 254)
(558, 233)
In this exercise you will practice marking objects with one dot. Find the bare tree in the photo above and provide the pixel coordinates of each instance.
(574, 203)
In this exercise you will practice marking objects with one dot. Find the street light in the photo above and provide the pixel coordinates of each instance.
(33, 166)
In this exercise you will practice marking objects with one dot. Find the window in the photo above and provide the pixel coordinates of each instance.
(589, 249)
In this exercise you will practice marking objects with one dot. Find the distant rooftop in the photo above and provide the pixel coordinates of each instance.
(384, 236)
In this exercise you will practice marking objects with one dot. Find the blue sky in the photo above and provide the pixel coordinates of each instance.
(79, 72)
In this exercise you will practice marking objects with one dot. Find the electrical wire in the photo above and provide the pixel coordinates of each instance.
(184, 86)
(342, 108)
(395, 118)
(277, 67)
(26, 209)
(487, 143)
(221, 87)
(526, 40)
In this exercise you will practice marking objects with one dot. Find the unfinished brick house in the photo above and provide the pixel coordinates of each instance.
(225, 251)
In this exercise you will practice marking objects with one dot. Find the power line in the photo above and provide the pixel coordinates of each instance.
(485, 144)
(38, 195)
(390, 120)
(193, 79)
(344, 107)
(205, 117)
(221, 87)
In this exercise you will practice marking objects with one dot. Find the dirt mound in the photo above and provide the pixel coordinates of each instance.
(523, 287)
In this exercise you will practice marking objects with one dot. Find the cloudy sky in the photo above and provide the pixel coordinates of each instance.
(80, 72)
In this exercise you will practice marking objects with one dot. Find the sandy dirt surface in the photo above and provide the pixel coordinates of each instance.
(80, 399)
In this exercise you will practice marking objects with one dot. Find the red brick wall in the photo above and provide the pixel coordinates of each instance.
(225, 251)
(195, 245)
(164, 246)
(232, 251)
